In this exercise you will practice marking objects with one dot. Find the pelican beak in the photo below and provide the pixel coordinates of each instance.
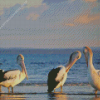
(24, 68)
(86, 59)
(85, 52)
(68, 67)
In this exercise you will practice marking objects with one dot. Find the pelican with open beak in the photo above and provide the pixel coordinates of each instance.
(13, 77)
(57, 77)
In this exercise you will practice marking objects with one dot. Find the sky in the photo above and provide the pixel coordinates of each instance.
(49, 23)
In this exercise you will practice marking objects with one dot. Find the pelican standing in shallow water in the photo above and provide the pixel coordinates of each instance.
(93, 74)
(13, 77)
(57, 77)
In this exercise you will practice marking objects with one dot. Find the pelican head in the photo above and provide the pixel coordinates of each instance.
(73, 58)
(20, 61)
(87, 52)
(20, 58)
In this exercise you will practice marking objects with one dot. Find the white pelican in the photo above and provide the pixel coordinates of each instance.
(57, 77)
(13, 77)
(93, 74)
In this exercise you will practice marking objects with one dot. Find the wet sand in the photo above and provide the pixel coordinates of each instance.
(39, 92)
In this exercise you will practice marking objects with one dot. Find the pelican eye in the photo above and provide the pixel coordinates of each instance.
(21, 58)
(85, 50)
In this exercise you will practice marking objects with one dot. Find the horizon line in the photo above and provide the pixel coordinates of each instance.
(45, 48)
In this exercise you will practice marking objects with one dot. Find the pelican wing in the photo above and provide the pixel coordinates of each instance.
(53, 78)
(60, 74)
(11, 74)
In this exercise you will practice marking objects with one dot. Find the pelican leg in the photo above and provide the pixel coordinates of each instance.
(96, 92)
(0, 88)
(61, 89)
(12, 90)
(8, 89)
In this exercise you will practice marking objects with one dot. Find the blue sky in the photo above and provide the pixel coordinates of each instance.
(49, 23)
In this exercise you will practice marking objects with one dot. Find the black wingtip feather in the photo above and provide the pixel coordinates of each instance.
(51, 79)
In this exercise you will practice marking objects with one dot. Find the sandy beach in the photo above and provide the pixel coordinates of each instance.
(39, 92)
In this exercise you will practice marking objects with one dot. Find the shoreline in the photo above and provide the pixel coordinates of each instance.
(40, 92)
(45, 84)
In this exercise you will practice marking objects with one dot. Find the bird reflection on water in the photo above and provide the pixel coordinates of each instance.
(58, 96)
(12, 97)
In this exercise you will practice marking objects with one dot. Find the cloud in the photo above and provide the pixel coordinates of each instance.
(86, 19)
(11, 3)
(32, 16)
(53, 1)
(89, 0)
(69, 24)
(83, 20)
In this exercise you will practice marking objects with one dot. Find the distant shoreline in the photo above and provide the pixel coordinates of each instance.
(42, 51)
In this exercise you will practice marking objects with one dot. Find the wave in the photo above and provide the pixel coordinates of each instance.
(44, 84)
(50, 62)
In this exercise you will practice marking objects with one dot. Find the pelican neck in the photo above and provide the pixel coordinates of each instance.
(22, 67)
(90, 61)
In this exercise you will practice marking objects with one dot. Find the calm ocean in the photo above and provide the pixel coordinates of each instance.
(39, 63)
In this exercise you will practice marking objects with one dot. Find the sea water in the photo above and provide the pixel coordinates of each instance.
(38, 66)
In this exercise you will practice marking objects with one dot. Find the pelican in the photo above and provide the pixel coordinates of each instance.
(93, 74)
(13, 77)
(57, 77)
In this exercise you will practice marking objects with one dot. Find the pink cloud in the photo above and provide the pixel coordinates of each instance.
(81, 19)
(86, 19)
(69, 24)
(89, 0)
(32, 16)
